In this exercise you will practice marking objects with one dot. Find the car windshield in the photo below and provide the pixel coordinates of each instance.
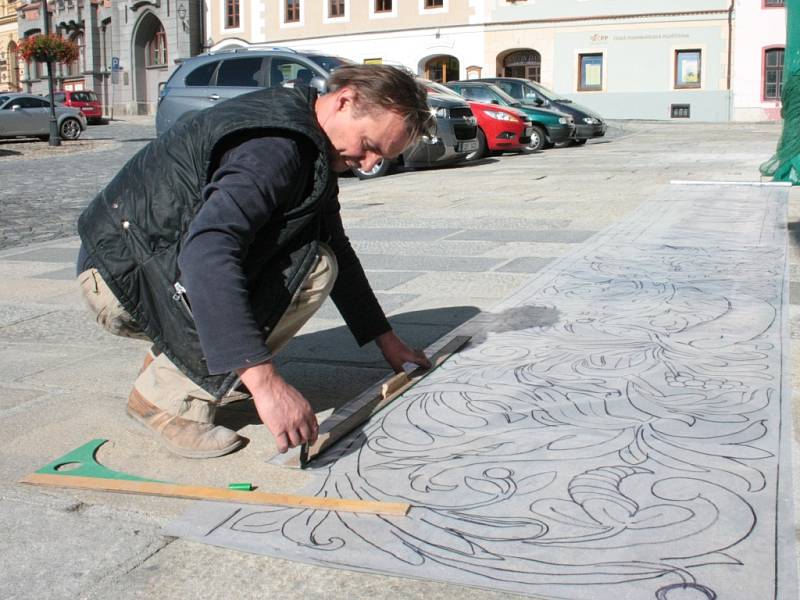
(502, 95)
(329, 63)
(438, 88)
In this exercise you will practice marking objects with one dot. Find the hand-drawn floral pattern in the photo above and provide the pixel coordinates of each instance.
(623, 451)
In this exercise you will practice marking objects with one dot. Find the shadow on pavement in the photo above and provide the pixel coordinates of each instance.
(329, 369)
(9, 153)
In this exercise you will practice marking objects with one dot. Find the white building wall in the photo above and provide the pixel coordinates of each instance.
(408, 48)
(756, 28)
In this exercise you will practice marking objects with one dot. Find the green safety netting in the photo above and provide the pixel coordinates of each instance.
(785, 164)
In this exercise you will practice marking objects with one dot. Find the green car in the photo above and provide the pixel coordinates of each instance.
(549, 126)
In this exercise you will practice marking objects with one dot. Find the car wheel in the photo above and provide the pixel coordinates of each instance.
(381, 168)
(538, 139)
(480, 152)
(70, 129)
(579, 142)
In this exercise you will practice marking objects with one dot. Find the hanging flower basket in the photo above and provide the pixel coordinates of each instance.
(48, 48)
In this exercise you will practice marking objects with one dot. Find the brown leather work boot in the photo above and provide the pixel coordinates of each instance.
(182, 436)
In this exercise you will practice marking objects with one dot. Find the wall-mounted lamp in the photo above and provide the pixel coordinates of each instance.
(182, 15)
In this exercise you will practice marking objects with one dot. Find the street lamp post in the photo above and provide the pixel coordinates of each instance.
(55, 140)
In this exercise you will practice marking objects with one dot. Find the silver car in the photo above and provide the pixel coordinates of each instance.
(25, 115)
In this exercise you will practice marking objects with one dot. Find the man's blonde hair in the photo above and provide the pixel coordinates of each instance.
(383, 87)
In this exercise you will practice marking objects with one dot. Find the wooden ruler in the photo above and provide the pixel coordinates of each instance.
(390, 390)
(175, 490)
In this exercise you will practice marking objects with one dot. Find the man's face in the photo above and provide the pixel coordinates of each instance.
(360, 138)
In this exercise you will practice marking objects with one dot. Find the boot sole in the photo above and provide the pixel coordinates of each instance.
(182, 451)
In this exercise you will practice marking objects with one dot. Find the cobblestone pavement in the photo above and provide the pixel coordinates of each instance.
(44, 189)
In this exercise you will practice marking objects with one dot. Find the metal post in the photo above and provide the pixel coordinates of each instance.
(55, 140)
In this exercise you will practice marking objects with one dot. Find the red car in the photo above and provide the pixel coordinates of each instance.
(500, 128)
(84, 100)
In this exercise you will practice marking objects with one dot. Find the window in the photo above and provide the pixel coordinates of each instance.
(76, 66)
(288, 72)
(679, 111)
(240, 72)
(771, 3)
(687, 68)
(383, 6)
(292, 11)
(773, 73)
(590, 77)
(335, 8)
(202, 75)
(231, 14)
(157, 48)
(28, 103)
(434, 4)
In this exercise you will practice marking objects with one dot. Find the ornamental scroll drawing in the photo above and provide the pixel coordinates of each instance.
(629, 449)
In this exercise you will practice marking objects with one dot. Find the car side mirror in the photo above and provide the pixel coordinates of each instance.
(16, 107)
(495, 101)
(319, 84)
(538, 101)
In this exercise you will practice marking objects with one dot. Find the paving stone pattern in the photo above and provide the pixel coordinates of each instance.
(44, 189)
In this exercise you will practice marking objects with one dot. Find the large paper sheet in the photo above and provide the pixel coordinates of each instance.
(620, 430)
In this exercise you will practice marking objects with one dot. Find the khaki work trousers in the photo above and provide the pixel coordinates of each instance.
(162, 383)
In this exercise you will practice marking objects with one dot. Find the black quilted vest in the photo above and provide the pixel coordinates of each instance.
(134, 228)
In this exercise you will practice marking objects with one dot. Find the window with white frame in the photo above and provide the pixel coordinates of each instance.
(336, 9)
(773, 73)
(688, 65)
(232, 14)
(291, 11)
(590, 72)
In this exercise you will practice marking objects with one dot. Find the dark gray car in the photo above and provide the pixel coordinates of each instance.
(208, 79)
(25, 115)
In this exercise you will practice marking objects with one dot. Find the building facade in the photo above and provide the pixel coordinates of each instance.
(624, 58)
(126, 48)
(9, 65)
(758, 59)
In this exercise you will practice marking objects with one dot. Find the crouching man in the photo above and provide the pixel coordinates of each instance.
(221, 238)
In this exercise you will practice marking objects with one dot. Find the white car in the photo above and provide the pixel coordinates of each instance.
(25, 115)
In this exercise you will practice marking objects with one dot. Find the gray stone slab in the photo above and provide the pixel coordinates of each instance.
(61, 326)
(398, 234)
(82, 550)
(386, 280)
(389, 302)
(564, 236)
(527, 264)
(67, 273)
(15, 397)
(428, 263)
(49, 254)
(11, 313)
(794, 292)
(188, 570)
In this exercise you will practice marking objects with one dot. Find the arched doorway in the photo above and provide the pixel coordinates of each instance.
(150, 62)
(442, 68)
(525, 63)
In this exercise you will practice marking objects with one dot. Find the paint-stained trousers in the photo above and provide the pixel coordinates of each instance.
(161, 382)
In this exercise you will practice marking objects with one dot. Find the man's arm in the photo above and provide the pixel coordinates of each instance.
(253, 180)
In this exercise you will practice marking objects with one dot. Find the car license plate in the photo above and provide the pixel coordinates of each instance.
(468, 146)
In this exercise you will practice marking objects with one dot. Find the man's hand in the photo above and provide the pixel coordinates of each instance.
(396, 352)
(284, 410)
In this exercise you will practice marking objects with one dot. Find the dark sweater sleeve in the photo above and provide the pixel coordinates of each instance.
(352, 293)
(253, 179)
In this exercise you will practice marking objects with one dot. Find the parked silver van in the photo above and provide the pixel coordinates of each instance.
(205, 80)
